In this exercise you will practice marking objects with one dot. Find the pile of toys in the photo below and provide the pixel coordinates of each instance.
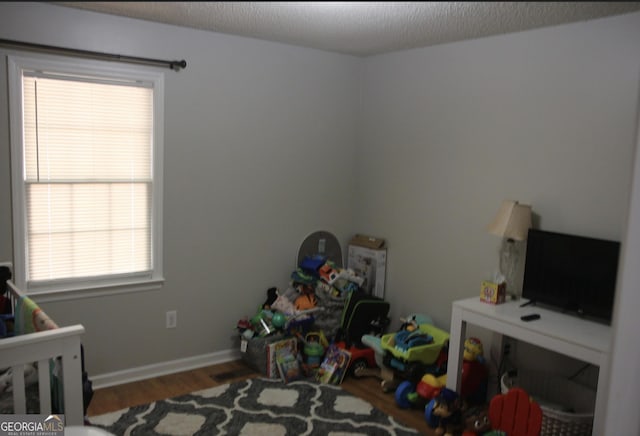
(310, 309)
(293, 310)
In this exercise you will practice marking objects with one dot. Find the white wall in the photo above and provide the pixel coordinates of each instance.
(624, 388)
(546, 117)
(258, 154)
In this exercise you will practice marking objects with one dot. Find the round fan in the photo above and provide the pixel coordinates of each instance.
(321, 243)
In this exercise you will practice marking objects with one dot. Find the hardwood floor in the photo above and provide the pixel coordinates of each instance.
(132, 394)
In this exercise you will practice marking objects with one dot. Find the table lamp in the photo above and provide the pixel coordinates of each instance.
(512, 223)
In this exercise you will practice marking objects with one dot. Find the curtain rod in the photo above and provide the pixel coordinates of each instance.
(174, 65)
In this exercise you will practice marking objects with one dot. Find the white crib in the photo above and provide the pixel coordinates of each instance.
(62, 343)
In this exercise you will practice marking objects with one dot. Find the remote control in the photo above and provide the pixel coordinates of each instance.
(531, 317)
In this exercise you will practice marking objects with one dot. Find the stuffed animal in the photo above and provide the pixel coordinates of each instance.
(413, 321)
(350, 275)
(473, 387)
(307, 299)
(41, 321)
(284, 305)
(30, 377)
(272, 294)
(476, 421)
(447, 409)
(306, 302)
(473, 350)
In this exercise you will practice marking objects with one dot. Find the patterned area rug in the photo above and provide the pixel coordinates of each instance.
(256, 407)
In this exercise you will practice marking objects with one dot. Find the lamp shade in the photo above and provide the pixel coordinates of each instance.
(512, 221)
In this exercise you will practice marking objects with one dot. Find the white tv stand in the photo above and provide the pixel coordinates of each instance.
(565, 334)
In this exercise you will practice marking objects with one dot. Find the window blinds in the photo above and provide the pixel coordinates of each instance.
(88, 176)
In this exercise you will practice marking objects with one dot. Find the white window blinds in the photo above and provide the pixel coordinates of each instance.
(88, 155)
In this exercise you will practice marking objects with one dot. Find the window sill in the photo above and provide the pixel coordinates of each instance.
(45, 296)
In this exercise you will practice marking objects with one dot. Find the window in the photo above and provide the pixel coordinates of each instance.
(87, 175)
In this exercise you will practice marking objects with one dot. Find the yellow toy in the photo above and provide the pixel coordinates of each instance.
(473, 350)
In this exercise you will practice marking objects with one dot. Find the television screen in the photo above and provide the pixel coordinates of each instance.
(573, 273)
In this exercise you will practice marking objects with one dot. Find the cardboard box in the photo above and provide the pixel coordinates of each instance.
(367, 257)
(493, 293)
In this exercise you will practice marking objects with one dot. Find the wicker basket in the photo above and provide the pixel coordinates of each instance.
(567, 407)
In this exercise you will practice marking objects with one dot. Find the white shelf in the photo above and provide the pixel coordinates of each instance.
(570, 335)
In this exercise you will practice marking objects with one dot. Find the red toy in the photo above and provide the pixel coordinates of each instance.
(515, 413)
(473, 386)
(428, 388)
(360, 357)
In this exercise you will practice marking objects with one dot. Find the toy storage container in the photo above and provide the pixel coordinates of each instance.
(255, 356)
(567, 407)
(426, 354)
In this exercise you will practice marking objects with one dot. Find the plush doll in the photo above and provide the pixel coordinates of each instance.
(473, 350)
(306, 302)
(30, 377)
(350, 275)
(473, 387)
(447, 409)
(42, 322)
(293, 304)
(413, 321)
(476, 421)
(307, 299)
(272, 294)
(284, 305)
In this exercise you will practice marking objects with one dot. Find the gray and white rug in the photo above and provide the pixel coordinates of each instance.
(255, 407)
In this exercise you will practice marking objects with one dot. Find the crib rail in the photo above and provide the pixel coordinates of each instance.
(63, 343)
(14, 292)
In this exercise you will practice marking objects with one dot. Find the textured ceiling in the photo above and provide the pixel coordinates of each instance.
(362, 28)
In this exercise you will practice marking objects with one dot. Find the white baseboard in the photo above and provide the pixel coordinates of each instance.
(162, 368)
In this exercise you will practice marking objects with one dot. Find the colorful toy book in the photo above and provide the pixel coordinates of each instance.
(275, 349)
(289, 367)
(334, 366)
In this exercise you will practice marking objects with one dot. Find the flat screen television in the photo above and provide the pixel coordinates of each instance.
(576, 274)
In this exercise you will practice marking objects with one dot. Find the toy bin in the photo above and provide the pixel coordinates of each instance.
(567, 407)
(426, 354)
(255, 355)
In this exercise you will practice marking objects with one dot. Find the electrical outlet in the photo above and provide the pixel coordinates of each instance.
(507, 349)
(172, 319)
(508, 346)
